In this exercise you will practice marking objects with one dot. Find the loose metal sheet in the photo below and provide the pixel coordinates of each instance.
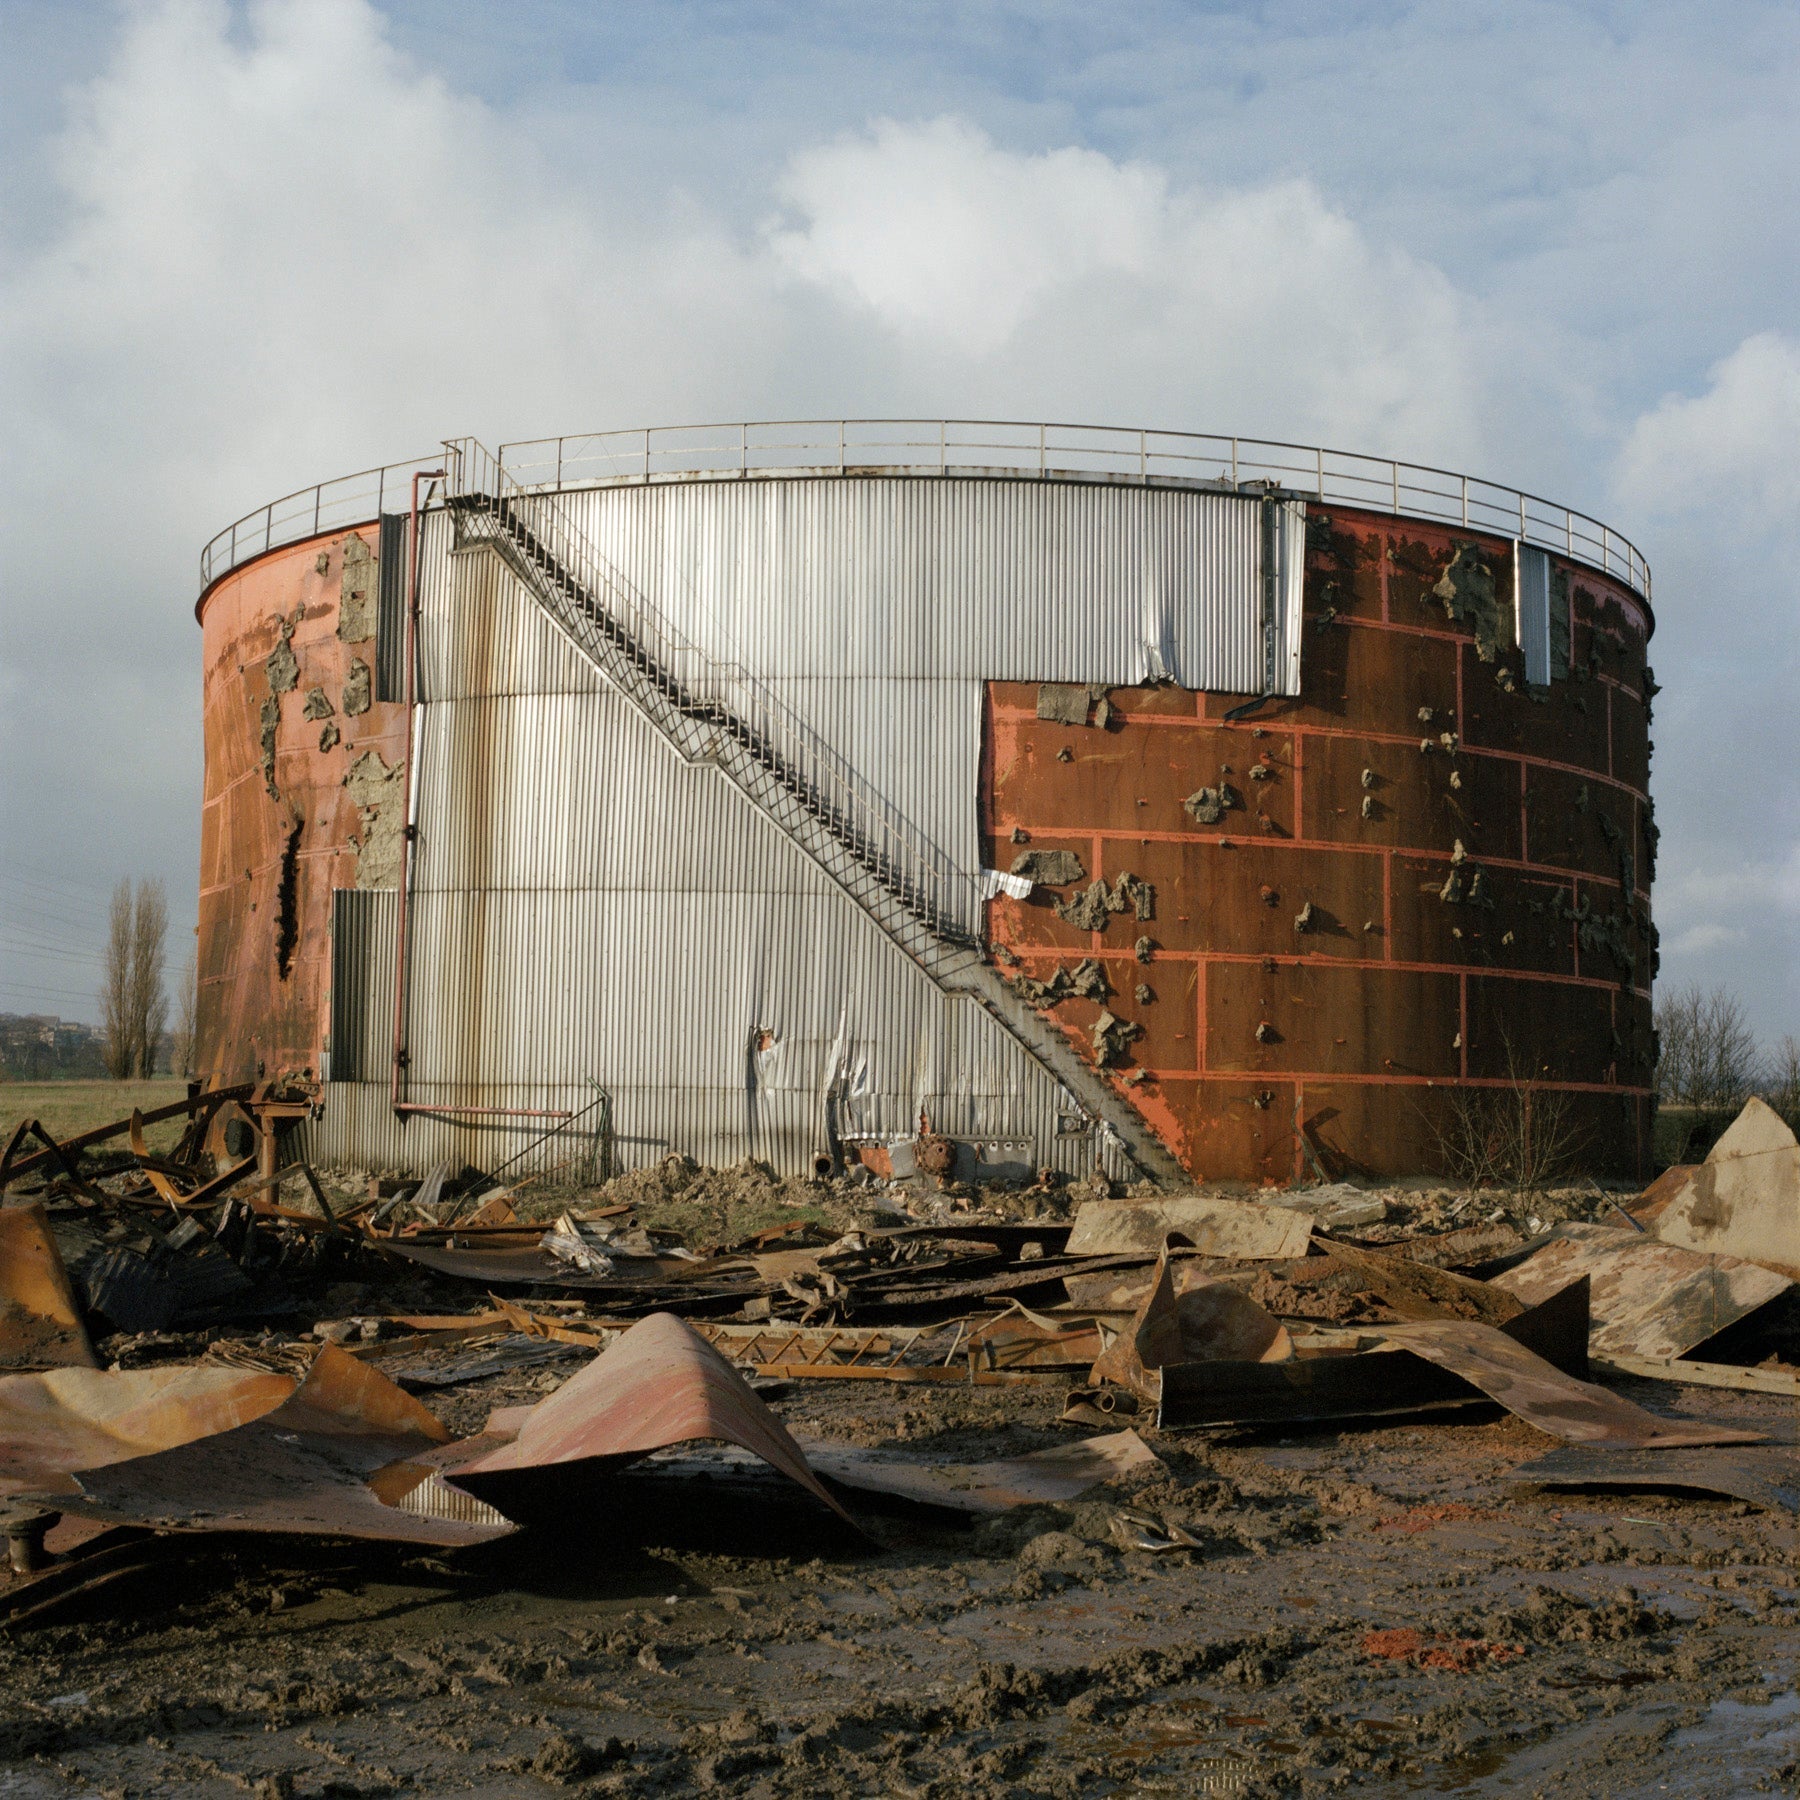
(40, 1324)
(334, 1458)
(1241, 1228)
(1542, 1395)
(1650, 1299)
(658, 1384)
(1744, 1200)
(1042, 1478)
(1766, 1475)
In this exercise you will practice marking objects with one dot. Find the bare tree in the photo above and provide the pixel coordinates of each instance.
(187, 1009)
(134, 1009)
(116, 1016)
(149, 959)
(1707, 1058)
(1781, 1081)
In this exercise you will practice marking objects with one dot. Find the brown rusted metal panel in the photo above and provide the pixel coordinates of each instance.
(279, 827)
(1409, 977)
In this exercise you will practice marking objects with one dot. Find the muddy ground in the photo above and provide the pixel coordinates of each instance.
(1376, 1612)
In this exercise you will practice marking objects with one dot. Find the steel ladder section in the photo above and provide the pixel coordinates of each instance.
(827, 829)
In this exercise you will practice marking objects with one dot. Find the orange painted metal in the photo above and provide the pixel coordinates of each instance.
(1303, 961)
(275, 843)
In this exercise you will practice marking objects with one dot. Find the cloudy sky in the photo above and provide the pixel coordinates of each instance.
(243, 247)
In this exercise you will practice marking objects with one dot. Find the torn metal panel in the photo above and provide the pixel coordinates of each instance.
(1206, 1322)
(1765, 1475)
(1043, 1478)
(659, 1384)
(1542, 1395)
(1238, 1228)
(1650, 1298)
(334, 1458)
(1744, 1200)
(1706, 1374)
(40, 1324)
(69, 1419)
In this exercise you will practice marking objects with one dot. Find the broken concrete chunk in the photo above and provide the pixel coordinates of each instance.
(1049, 868)
(356, 688)
(357, 604)
(318, 704)
(1065, 703)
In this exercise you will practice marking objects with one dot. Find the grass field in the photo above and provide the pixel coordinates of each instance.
(67, 1107)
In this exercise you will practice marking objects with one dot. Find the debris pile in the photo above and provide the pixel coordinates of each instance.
(218, 1338)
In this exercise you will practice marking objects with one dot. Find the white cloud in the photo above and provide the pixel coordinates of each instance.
(1735, 444)
(1256, 308)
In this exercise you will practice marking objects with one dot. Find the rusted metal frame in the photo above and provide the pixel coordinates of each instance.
(52, 1152)
(101, 1133)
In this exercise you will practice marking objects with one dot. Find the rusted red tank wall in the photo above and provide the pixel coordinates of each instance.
(275, 839)
(1395, 999)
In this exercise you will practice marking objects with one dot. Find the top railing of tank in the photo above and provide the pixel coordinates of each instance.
(665, 453)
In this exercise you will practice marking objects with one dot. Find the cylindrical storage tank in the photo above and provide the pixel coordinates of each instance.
(1089, 798)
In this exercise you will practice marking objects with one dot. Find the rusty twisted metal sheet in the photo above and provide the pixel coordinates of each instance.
(1542, 1395)
(1767, 1475)
(333, 1457)
(1744, 1200)
(54, 1424)
(1206, 1322)
(1650, 1299)
(659, 1384)
(40, 1324)
(1042, 1478)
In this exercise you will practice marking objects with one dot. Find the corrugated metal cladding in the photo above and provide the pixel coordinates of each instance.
(1532, 572)
(589, 909)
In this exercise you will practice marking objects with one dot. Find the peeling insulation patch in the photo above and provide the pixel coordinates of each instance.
(356, 688)
(318, 704)
(357, 593)
(1466, 591)
(287, 903)
(1049, 868)
(328, 738)
(270, 719)
(380, 796)
(281, 665)
(1065, 704)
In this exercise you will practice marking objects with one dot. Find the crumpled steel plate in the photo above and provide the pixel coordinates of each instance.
(40, 1324)
(334, 1458)
(1542, 1395)
(1650, 1299)
(54, 1424)
(656, 1385)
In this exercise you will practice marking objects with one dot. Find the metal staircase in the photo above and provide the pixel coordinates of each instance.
(719, 713)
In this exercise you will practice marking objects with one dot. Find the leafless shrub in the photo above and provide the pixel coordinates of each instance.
(1781, 1081)
(1707, 1059)
(133, 1007)
(1521, 1134)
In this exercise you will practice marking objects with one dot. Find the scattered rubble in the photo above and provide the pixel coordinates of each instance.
(221, 1340)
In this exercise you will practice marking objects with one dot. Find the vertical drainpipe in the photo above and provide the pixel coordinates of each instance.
(411, 828)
